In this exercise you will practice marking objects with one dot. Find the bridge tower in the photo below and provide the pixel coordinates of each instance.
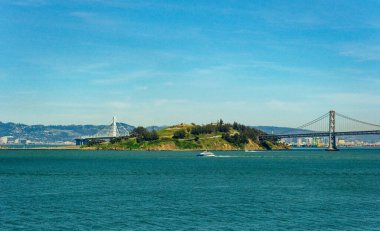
(332, 137)
(113, 127)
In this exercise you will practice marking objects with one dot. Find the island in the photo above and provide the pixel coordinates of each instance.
(213, 136)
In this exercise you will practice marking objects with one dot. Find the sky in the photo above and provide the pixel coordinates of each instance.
(271, 62)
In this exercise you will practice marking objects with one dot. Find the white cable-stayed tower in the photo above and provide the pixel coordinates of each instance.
(114, 131)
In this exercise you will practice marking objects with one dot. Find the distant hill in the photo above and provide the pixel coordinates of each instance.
(155, 128)
(278, 130)
(51, 133)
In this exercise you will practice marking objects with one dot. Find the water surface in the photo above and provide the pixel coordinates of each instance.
(124, 190)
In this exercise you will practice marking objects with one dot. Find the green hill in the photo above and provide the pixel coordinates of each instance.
(218, 136)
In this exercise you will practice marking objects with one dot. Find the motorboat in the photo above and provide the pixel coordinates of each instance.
(206, 153)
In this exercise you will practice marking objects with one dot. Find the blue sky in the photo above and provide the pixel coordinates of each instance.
(165, 62)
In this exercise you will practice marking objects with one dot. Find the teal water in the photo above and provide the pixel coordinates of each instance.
(117, 190)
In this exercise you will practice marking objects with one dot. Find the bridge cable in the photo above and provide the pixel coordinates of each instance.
(355, 120)
(314, 121)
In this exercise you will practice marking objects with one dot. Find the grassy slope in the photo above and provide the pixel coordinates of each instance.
(166, 142)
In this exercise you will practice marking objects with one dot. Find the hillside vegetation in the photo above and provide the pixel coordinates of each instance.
(217, 136)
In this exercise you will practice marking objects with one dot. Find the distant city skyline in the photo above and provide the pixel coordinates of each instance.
(277, 63)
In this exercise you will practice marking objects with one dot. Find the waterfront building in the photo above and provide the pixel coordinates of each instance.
(24, 141)
(309, 141)
(4, 140)
(299, 142)
(12, 140)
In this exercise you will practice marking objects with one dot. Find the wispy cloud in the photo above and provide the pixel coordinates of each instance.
(127, 76)
(283, 18)
(154, 5)
(2, 75)
(28, 3)
(96, 18)
(252, 67)
(141, 88)
(281, 105)
(361, 51)
(168, 84)
(69, 67)
(352, 98)
(119, 104)
(127, 27)
(85, 105)
(166, 102)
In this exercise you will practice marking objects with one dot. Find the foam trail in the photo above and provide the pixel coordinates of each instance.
(237, 156)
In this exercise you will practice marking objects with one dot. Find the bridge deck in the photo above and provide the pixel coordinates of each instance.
(321, 134)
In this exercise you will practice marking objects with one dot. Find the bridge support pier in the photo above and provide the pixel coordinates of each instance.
(332, 144)
(332, 138)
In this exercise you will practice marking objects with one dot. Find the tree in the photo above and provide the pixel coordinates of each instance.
(143, 134)
(196, 130)
(180, 134)
(95, 142)
(235, 125)
(139, 131)
(150, 136)
(155, 135)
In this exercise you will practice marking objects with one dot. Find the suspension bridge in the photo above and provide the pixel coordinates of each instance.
(331, 125)
(111, 131)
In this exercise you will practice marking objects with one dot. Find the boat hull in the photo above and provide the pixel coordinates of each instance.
(206, 154)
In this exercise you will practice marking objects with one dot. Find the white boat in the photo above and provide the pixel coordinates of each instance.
(206, 153)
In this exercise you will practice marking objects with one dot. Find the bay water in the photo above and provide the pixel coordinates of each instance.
(128, 190)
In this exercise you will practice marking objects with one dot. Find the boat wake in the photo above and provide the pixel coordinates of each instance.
(237, 156)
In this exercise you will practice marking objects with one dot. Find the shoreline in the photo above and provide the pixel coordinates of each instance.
(119, 149)
(42, 148)
(63, 148)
